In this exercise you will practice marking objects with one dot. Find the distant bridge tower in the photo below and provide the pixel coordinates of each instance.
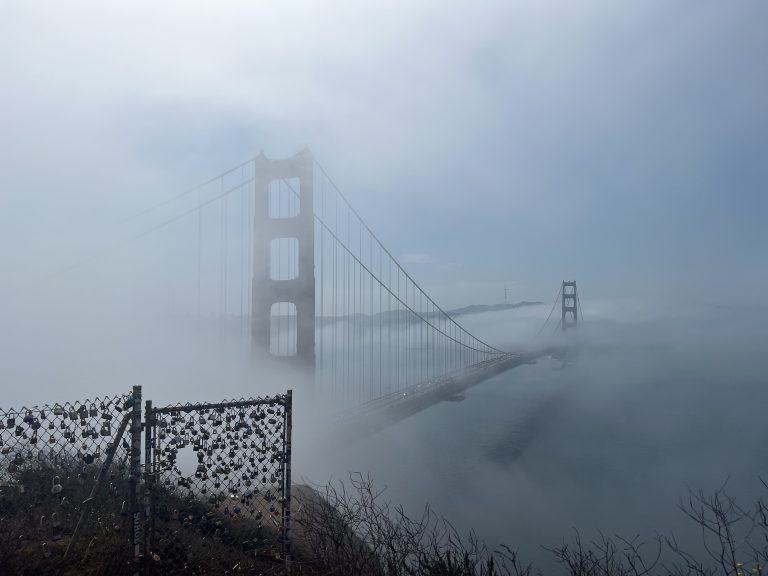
(570, 312)
(283, 288)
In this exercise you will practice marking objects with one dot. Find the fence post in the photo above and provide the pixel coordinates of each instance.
(287, 475)
(149, 481)
(135, 478)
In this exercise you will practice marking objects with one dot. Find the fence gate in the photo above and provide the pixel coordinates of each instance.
(218, 486)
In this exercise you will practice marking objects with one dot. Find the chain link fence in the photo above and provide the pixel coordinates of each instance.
(213, 495)
(65, 487)
(220, 486)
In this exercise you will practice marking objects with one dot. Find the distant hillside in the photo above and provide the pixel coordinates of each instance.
(480, 308)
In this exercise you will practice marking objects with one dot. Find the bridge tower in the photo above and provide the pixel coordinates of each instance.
(283, 287)
(569, 299)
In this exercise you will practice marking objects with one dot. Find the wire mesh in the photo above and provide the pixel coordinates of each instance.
(50, 458)
(220, 488)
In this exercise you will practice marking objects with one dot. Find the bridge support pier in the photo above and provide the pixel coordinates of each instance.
(283, 286)
(570, 311)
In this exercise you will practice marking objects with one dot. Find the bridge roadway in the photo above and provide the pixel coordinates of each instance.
(387, 410)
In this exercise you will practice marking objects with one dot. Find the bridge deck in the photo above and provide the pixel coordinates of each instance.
(387, 410)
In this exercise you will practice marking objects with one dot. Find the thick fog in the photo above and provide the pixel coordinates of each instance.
(609, 441)
(495, 148)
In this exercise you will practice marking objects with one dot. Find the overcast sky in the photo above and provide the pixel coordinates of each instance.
(491, 144)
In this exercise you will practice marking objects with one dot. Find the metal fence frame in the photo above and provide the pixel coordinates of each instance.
(152, 469)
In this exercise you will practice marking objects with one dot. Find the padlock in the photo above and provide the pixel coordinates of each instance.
(51, 425)
(56, 528)
(56, 488)
(28, 417)
(58, 410)
(88, 458)
(93, 412)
